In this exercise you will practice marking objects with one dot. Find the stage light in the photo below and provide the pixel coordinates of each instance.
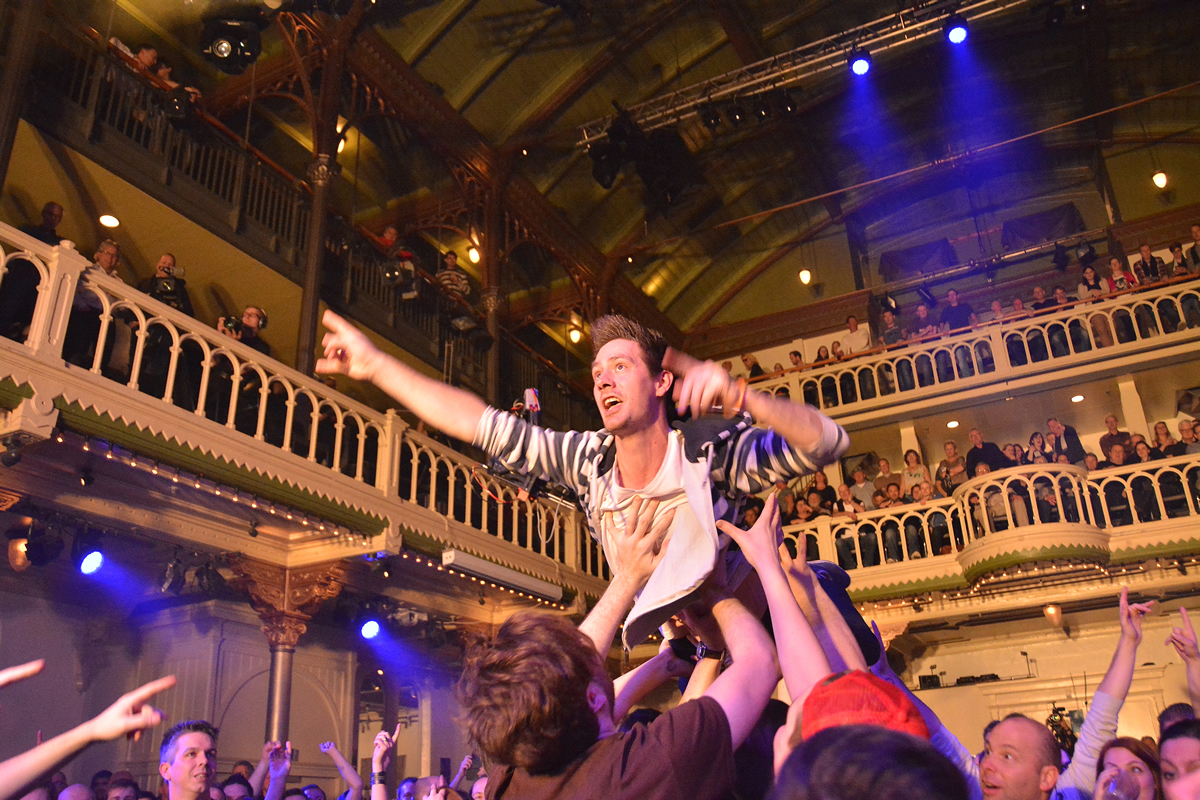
(1085, 253)
(805, 276)
(1061, 259)
(710, 117)
(1077, 398)
(736, 114)
(860, 62)
(575, 335)
(606, 162)
(952, 423)
(230, 45)
(109, 221)
(786, 104)
(86, 552)
(1080, 8)
(1160, 179)
(86, 478)
(956, 29)
(173, 577)
(927, 298)
(210, 580)
(473, 255)
(762, 109)
(369, 629)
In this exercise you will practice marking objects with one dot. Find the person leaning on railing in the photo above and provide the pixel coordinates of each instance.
(83, 328)
(244, 329)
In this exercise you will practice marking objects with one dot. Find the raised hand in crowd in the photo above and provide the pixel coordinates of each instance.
(279, 766)
(345, 768)
(128, 716)
(381, 759)
(467, 761)
(1183, 639)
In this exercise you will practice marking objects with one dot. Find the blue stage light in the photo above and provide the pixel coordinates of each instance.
(860, 62)
(370, 629)
(91, 562)
(956, 29)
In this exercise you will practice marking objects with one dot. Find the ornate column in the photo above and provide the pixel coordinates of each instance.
(22, 42)
(320, 174)
(285, 600)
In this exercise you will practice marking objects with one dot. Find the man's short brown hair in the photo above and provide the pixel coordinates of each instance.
(613, 326)
(524, 693)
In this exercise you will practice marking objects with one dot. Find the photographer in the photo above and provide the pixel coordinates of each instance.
(246, 329)
(170, 290)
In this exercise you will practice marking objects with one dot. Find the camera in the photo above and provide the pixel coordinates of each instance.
(166, 290)
(233, 324)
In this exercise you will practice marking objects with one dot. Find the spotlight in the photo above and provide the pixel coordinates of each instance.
(1056, 15)
(956, 29)
(109, 221)
(1085, 253)
(762, 108)
(173, 577)
(1160, 179)
(1061, 259)
(606, 162)
(952, 423)
(40, 545)
(1077, 398)
(860, 62)
(786, 104)
(805, 276)
(86, 478)
(887, 303)
(230, 45)
(473, 255)
(575, 335)
(10, 458)
(86, 552)
(1080, 8)
(736, 114)
(209, 579)
(369, 629)
(253, 530)
(710, 117)
(927, 298)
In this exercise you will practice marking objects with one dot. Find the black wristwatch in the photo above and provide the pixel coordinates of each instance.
(704, 651)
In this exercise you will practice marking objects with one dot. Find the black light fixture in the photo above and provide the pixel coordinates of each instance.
(86, 478)
(927, 297)
(606, 162)
(1080, 8)
(710, 116)
(1056, 16)
(210, 580)
(1085, 253)
(786, 104)
(955, 29)
(86, 552)
(173, 577)
(1061, 259)
(12, 451)
(736, 113)
(231, 45)
(762, 108)
(887, 303)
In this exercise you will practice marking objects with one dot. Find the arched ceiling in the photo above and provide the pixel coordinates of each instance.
(525, 75)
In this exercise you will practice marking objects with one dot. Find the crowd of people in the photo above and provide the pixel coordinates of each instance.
(956, 315)
(916, 485)
(549, 721)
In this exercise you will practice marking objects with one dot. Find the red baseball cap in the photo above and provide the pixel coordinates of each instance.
(859, 698)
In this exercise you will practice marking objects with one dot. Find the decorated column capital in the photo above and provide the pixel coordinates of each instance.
(286, 599)
(890, 630)
(322, 169)
(283, 630)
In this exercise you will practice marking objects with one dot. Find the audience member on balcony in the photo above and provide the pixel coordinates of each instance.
(777, 369)
(1114, 436)
(1179, 267)
(451, 277)
(1122, 280)
(1150, 269)
(1093, 287)
(1115, 496)
(891, 529)
(1162, 437)
(957, 315)
(838, 354)
(1066, 441)
(796, 359)
(1037, 446)
(982, 452)
(751, 511)
(952, 471)
(914, 472)
(862, 490)
(821, 486)
(995, 506)
(815, 502)
(727, 366)
(156, 353)
(83, 328)
(1187, 444)
(1189, 302)
(18, 292)
(924, 325)
(753, 368)
(247, 329)
(822, 354)
(914, 529)
(847, 505)
(1194, 250)
(787, 503)
(886, 476)
(857, 338)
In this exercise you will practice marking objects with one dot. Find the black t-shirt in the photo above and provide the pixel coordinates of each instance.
(41, 233)
(687, 752)
(756, 371)
(989, 454)
(958, 316)
(1042, 305)
(892, 335)
(257, 343)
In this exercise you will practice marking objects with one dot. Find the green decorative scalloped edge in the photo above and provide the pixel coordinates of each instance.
(156, 446)
(893, 590)
(1017, 558)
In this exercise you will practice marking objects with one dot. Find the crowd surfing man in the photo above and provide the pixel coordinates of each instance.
(697, 471)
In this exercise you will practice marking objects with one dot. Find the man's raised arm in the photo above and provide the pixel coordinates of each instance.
(447, 408)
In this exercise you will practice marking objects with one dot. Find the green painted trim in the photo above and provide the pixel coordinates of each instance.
(145, 443)
(912, 587)
(1019, 557)
(11, 394)
(1188, 548)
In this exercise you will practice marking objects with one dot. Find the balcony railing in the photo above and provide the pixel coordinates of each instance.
(1075, 334)
(1019, 515)
(188, 382)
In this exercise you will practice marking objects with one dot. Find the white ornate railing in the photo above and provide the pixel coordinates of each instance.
(186, 381)
(1078, 333)
(1013, 516)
